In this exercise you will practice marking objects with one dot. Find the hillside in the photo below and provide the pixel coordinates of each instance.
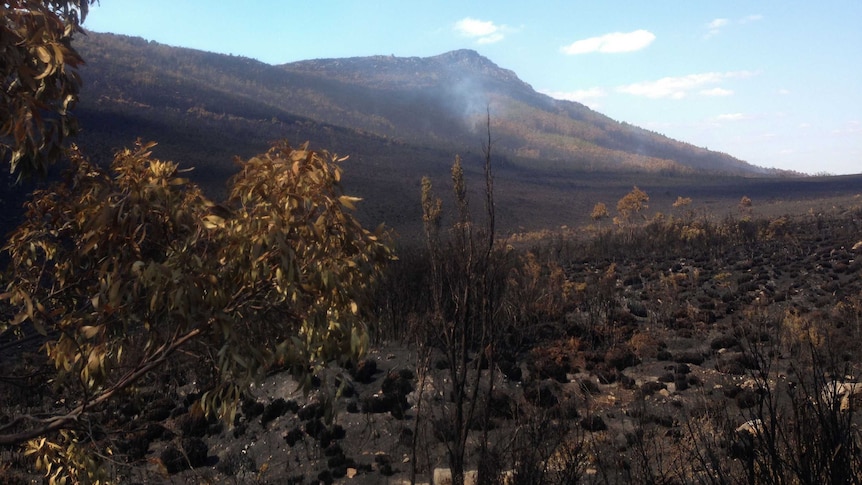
(437, 101)
(455, 88)
(398, 119)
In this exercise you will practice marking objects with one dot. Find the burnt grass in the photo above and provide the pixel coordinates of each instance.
(675, 333)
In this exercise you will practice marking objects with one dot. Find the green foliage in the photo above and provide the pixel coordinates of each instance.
(40, 80)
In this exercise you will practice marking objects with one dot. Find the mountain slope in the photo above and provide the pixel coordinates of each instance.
(399, 119)
(456, 87)
(437, 102)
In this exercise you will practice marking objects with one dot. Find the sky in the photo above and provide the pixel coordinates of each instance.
(775, 83)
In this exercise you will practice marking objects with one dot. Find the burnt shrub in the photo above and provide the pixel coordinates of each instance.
(689, 357)
(747, 398)
(638, 309)
(364, 371)
(159, 410)
(173, 460)
(593, 423)
(542, 394)
(196, 451)
(510, 369)
(273, 410)
(652, 387)
(724, 342)
(311, 410)
(621, 357)
(193, 423)
(251, 408)
(398, 383)
(293, 436)
(730, 366)
(587, 386)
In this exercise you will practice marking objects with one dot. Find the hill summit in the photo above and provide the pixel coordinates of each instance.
(436, 102)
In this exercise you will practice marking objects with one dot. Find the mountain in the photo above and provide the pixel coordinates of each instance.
(398, 118)
(438, 101)
(454, 92)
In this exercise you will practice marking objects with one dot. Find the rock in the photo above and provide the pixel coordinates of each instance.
(233, 463)
(442, 476)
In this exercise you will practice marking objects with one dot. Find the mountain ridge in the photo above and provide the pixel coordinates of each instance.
(437, 101)
(554, 160)
(465, 73)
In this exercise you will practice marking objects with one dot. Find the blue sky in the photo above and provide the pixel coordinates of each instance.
(775, 83)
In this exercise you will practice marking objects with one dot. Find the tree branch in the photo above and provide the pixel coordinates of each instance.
(64, 421)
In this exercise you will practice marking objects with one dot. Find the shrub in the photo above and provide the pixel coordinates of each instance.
(123, 268)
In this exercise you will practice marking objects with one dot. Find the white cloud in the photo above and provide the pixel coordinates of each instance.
(586, 97)
(490, 39)
(579, 95)
(783, 92)
(679, 87)
(716, 25)
(475, 28)
(732, 117)
(611, 43)
(483, 31)
(716, 92)
(853, 127)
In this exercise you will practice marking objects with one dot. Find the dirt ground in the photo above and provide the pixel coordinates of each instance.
(661, 342)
